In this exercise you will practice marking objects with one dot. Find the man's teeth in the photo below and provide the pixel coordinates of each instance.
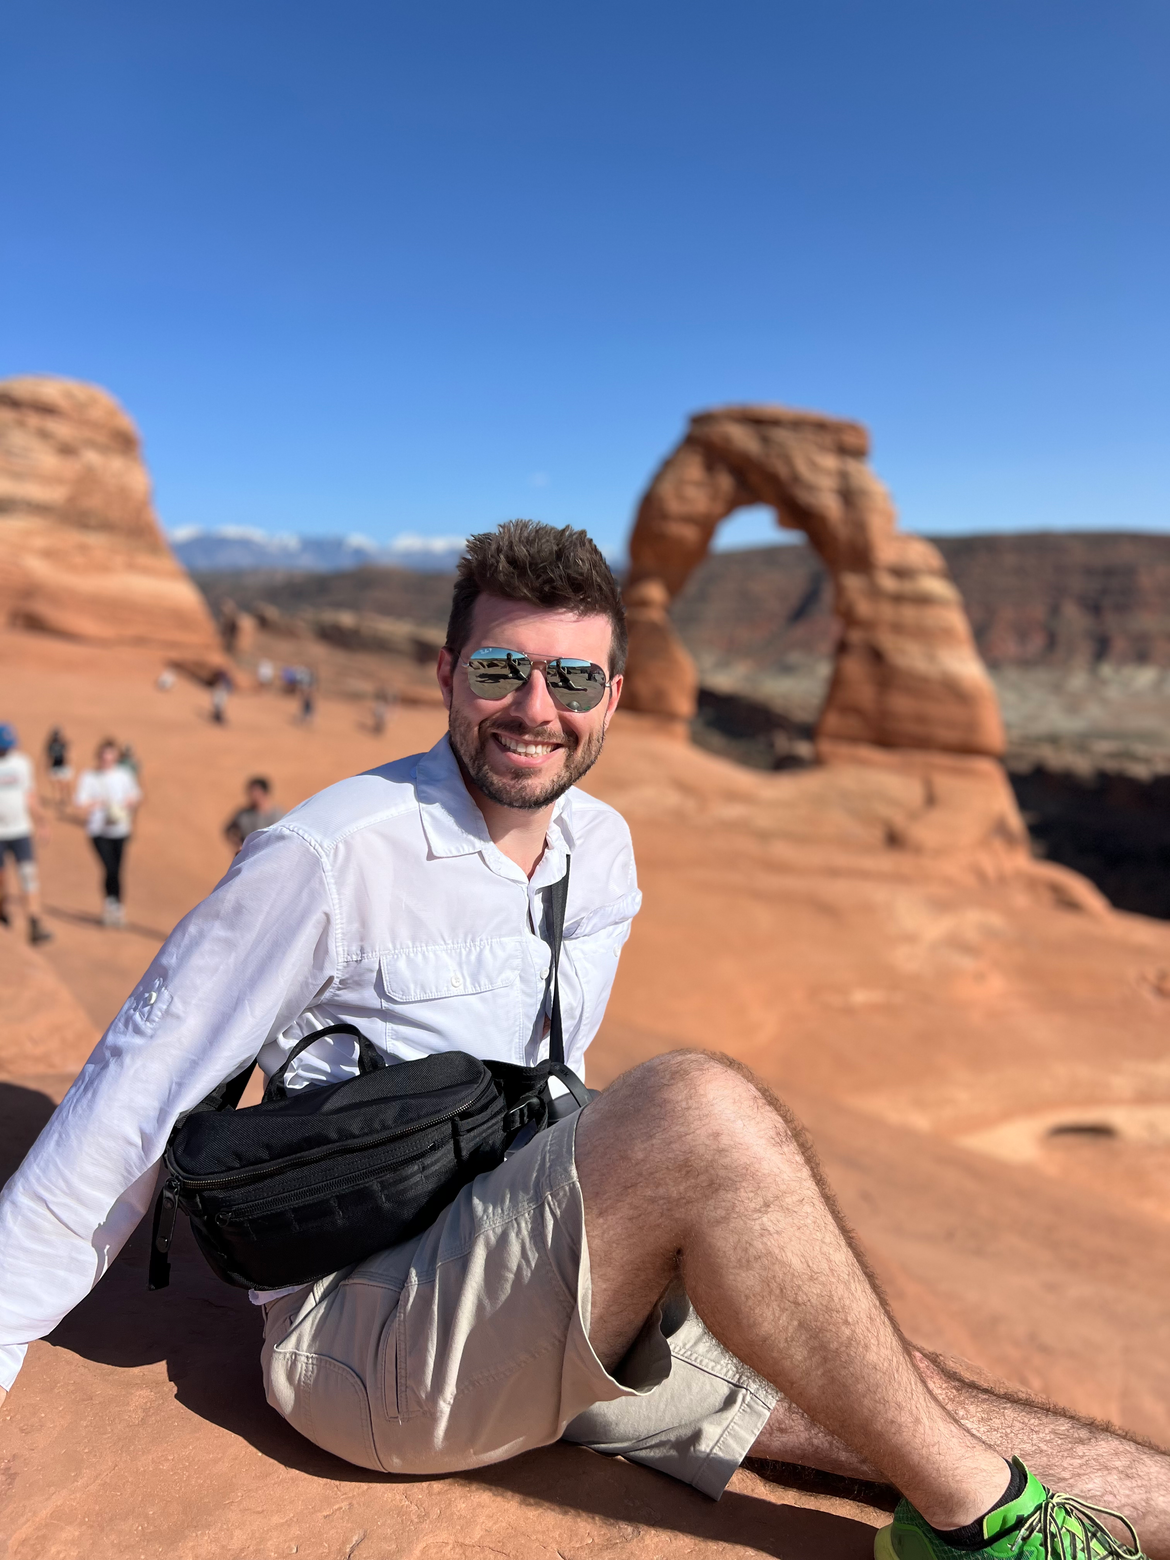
(524, 748)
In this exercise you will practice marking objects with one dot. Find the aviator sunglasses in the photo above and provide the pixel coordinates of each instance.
(575, 685)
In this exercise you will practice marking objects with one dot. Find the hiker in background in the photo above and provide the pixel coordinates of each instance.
(257, 813)
(385, 700)
(108, 796)
(306, 681)
(265, 672)
(20, 812)
(220, 689)
(60, 773)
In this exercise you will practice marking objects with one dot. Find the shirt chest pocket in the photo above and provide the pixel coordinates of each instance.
(455, 996)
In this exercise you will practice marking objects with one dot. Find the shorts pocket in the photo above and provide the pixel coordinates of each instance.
(389, 1368)
(338, 1417)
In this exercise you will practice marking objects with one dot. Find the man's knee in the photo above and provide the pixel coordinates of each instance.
(692, 1097)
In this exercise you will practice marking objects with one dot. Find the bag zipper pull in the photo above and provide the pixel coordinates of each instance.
(166, 1211)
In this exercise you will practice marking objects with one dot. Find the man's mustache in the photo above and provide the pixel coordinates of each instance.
(517, 728)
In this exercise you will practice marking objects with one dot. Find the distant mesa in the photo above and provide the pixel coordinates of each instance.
(907, 672)
(81, 552)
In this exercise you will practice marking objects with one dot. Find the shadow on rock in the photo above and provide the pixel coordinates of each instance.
(625, 1497)
(209, 1335)
(85, 918)
(23, 1112)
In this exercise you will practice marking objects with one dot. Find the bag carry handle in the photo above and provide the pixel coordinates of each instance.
(369, 1060)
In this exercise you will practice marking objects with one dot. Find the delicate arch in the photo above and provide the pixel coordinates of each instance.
(907, 674)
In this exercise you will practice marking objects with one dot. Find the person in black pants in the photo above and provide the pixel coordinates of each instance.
(110, 856)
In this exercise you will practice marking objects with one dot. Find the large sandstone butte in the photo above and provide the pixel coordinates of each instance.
(81, 553)
(907, 673)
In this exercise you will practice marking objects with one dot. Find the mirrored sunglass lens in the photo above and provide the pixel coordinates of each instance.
(494, 674)
(578, 685)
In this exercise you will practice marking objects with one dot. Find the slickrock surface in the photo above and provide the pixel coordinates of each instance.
(932, 1003)
(81, 553)
(907, 674)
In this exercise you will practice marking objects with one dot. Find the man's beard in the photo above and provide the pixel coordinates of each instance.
(526, 792)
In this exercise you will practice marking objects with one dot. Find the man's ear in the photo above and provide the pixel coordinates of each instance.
(445, 672)
(615, 693)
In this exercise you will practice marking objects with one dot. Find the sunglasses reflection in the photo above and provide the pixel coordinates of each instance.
(576, 684)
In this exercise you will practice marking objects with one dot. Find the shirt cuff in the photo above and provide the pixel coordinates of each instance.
(11, 1359)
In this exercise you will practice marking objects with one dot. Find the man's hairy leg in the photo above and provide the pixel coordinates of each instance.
(1080, 1456)
(686, 1167)
(1071, 1454)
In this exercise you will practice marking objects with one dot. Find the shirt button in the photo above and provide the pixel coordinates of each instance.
(544, 973)
(457, 981)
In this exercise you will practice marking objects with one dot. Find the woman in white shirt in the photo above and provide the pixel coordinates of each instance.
(108, 796)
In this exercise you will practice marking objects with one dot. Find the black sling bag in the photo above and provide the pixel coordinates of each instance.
(318, 1178)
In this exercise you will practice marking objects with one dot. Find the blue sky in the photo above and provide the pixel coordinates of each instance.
(382, 267)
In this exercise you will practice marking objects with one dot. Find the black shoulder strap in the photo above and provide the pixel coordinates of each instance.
(230, 1092)
(558, 898)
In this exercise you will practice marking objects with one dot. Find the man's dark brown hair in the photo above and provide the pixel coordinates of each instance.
(523, 560)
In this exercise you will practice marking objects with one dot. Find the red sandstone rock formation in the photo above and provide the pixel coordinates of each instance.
(81, 553)
(908, 674)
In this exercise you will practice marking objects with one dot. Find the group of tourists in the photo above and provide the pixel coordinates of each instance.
(458, 1251)
(106, 797)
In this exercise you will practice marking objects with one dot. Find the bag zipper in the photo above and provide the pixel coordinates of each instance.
(207, 1183)
(261, 1205)
(165, 1214)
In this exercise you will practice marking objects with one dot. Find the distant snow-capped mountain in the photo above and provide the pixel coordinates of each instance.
(242, 547)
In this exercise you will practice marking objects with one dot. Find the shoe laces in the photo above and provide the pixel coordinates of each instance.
(1088, 1539)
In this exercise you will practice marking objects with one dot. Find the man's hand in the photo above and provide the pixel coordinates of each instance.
(3, 1395)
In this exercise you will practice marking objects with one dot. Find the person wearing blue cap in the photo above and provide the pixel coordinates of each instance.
(20, 812)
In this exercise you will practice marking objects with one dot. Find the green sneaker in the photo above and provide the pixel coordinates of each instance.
(1037, 1526)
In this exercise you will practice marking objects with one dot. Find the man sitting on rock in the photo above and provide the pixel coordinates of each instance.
(663, 1275)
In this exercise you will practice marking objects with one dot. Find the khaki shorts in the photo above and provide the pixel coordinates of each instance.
(470, 1344)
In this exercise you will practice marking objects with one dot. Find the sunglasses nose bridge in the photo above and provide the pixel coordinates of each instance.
(535, 692)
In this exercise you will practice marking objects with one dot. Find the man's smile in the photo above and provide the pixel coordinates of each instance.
(526, 747)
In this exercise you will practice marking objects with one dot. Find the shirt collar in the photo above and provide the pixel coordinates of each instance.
(454, 825)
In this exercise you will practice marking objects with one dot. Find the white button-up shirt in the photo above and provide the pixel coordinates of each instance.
(380, 902)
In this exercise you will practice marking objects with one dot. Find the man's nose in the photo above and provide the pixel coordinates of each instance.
(533, 702)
